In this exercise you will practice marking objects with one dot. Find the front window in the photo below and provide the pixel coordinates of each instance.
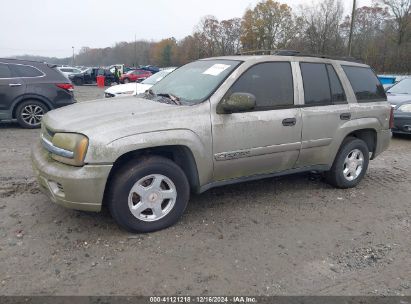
(196, 81)
(403, 87)
(271, 83)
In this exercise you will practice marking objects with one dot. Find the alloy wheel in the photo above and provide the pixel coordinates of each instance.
(152, 197)
(32, 114)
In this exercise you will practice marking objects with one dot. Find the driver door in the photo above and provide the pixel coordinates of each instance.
(266, 139)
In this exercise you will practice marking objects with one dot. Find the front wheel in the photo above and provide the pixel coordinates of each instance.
(350, 164)
(126, 80)
(148, 194)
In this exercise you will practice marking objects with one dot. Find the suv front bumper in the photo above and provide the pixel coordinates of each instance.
(80, 188)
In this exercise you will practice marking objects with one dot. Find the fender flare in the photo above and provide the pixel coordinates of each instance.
(201, 152)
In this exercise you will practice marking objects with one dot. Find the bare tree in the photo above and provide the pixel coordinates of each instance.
(322, 27)
(401, 10)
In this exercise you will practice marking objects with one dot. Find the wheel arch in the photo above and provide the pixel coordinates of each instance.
(24, 98)
(368, 135)
(180, 154)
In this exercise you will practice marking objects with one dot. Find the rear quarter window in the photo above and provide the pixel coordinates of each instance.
(4, 71)
(25, 71)
(364, 82)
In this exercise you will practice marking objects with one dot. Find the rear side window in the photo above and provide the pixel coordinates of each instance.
(25, 71)
(321, 84)
(366, 86)
(4, 71)
(316, 84)
(271, 83)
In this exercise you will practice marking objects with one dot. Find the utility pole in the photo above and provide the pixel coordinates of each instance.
(351, 27)
(73, 56)
(135, 50)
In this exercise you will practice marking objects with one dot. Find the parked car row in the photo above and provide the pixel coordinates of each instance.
(81, 76)
(130, 89)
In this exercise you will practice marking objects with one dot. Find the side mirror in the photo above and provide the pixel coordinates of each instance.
(237, 102)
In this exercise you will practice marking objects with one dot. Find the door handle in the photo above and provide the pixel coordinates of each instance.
(14, 84)
(345, 116)
(289, 122)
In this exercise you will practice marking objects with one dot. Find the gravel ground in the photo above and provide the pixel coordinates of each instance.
(292, 235)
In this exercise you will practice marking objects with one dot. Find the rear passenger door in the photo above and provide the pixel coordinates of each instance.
(263, 140)
(324, 112)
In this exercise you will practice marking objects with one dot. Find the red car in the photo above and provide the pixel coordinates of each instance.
(135, 76)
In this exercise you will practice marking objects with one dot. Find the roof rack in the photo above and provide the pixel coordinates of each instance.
(300, 54)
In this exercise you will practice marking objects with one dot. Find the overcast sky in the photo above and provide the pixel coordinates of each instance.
(52, 27)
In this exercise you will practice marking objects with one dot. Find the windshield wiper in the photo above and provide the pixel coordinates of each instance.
(172, 97)
(150, 92)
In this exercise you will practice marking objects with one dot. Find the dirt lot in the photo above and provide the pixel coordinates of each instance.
(292, 235)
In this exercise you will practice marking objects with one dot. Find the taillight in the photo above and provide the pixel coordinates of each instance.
(65, 86)
(392, 118)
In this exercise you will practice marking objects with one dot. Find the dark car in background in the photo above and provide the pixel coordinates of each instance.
(151, 68)
(87, 76)
(399, 96)
(109, 77)
(402, 118)
(29, 89)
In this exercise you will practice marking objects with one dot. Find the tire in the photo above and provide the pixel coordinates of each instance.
(78, 81)
(126, 80)
(350, 164)
(144, 175)
(29, 113)
(107, 82)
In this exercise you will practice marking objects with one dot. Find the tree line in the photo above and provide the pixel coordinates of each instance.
(381, 36)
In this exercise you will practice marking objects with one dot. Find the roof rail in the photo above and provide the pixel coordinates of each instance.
(298, 53)
(28, 60)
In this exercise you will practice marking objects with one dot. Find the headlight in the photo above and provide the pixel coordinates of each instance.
(68, 148)
(405, 108)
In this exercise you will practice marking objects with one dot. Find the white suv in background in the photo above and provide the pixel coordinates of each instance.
(67, 71)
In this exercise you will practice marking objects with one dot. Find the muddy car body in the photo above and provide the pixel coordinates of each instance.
(143, 156)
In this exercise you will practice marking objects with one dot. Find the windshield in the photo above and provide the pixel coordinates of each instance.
(403, 87)
(157, 77)
(195, 81)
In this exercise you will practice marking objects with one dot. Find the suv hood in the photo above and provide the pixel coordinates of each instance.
(108, 119)
(122, 88)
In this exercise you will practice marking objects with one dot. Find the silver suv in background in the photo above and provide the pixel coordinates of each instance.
(28, 89)
(211, 123)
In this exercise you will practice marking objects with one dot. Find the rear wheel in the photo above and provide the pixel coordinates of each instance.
(148, 194)
(350, 164)
(30, 113)
(126, 80)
